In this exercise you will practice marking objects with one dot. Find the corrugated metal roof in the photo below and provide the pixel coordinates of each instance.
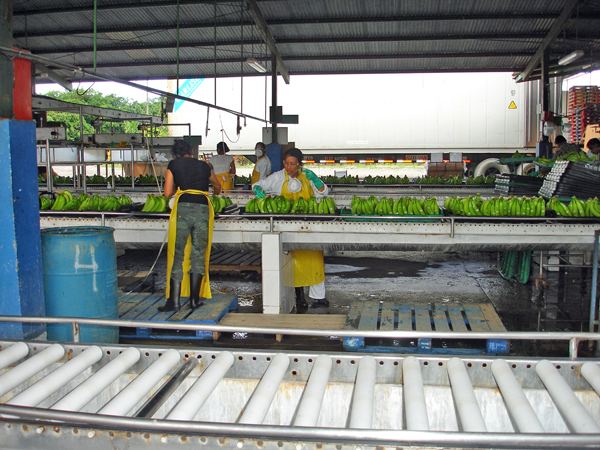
(139, 40)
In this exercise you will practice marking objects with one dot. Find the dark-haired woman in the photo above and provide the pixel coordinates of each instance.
(293, 181)
(190, 226)
(223, 166)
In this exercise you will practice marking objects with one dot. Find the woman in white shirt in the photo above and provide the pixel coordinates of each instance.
(224, 166)
(262, 169)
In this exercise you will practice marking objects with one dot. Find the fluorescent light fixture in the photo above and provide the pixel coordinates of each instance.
(252, 62)
(571, 57)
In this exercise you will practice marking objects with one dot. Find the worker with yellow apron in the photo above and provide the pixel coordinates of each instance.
(293, 182)
(262, 168)
(190, 228)
(223, 166)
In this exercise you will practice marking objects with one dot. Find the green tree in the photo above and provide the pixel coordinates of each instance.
(91, 124)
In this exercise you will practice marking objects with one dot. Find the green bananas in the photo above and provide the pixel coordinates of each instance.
(66, 201)
(496, 207)
(282, 205)
(403, 206)
(156, 203)
(574, 157)
(575, 208)
(220, 202)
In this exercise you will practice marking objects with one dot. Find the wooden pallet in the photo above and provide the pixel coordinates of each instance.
(235, 261)
(144, 306)
(373, 315)
(306, 321)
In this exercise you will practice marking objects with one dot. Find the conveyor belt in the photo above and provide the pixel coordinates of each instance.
(311, 233)
(57, 396)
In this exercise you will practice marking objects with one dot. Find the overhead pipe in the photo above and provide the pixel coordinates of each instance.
(51, 383)
(258, 406)
(125, 400)
(30, 367)
(415, 409)
(577, 418)
(591, 373)
(312, 398)
(469, 413)
(13, 354)
(361, 415)
(194, 398)
(518, 406)
(90, 388)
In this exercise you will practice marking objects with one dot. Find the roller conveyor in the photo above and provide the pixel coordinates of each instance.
(291, 400)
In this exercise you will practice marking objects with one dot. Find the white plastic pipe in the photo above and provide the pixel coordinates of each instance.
(469, 413)
(361, 415)
(591, 373)
(518, 406)
(414, 395)
(573, 412)
(312, 398)
(257, 407)
(125, 400)
(192, 401)
(51, 383)
(86, 391)
(13, 353)
(30, 367)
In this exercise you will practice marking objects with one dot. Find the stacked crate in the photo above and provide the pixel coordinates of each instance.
(583, 109)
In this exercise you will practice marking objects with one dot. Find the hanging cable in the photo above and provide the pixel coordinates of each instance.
(241, 60)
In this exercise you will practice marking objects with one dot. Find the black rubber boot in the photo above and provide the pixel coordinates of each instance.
(173, 303)
(320, 302)
(195, 283)
(301, 302)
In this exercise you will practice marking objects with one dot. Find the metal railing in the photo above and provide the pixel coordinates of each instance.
(572, 338)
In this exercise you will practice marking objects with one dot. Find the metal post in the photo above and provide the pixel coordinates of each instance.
(274, 99)
(594, 285)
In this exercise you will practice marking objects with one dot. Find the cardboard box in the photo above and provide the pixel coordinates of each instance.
(445, 169)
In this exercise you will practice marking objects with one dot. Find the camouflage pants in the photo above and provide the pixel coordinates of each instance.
(192, 219)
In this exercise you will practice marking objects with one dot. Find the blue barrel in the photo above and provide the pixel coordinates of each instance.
(80, 280)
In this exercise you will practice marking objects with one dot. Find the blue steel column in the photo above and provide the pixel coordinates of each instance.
(21, 289)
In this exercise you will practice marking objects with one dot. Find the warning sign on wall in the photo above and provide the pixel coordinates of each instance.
(512, 105)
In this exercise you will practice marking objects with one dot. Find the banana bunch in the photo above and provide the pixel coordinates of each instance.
(156, 203)
(403, 206)
(496, 207)
(574, 157)
(545, 161)
(481, 180)
(331, 179)
(45, 203)
(96, 179)
(220, 202)
(282, 205)
(66, 201)
(147, 179)
(576, 207)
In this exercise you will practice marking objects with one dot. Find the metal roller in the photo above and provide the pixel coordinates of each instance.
(414, 395)
(90, 388)
(469, 413)
(12, 354)
(518, 406)
(591, 373)
(312, 398)
(573, 412)
(258, 406)
(30, 367)
(361, 415)
(195, 397)
(138, 388)
(48, 385)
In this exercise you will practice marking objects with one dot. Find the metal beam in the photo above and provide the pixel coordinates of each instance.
(556, 28)
(6, 64)
(50, 74)
(263, 28)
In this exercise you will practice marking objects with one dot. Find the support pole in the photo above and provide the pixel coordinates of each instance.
(469, 413)
(414, 395)
(6, 64)
(258, 406)
(312, 398)
(361, 415)
(518, 406)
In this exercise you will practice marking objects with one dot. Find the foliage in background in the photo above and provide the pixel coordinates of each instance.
(95, 98)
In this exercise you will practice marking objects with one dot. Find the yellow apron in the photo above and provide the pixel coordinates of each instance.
(309, 265)
(226, 181)
(185, 284)
(255, 173)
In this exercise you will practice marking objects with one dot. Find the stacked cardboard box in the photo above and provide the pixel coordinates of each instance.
(445, 169)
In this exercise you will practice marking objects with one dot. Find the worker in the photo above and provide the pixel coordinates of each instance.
(262, 168)
(224, 166)
(593, 146)
(191, 217)
(564, 147)
(293, 181)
